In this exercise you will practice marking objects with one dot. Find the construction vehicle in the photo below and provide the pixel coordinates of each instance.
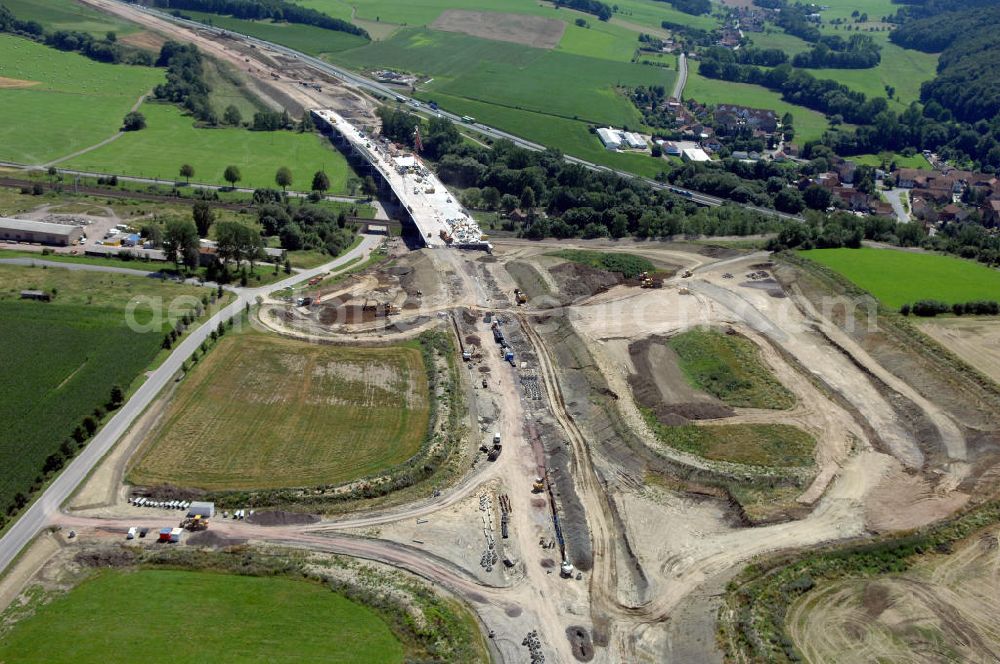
(195, 523)
(495, 452)
(519, 296)
(484, 383)
(566, 569)
(315, 280)
(538, 485)
(686, 274)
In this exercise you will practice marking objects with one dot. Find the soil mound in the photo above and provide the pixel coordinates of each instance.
(281, 518)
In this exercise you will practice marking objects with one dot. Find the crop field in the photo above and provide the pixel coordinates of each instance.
(809, 124)
(267, 412)
(69, 15)
(61, 359)
(73, 102)
(900, 277)
(115, 615)
(729, 367)
(923, 614)
(171, 139)
(306, 38)
(773, 445)
(513, 76)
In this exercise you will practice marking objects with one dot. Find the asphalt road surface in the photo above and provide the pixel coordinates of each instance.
(40, 513)
(682, 77)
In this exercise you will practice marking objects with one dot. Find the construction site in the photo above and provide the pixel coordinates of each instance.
(597, 456)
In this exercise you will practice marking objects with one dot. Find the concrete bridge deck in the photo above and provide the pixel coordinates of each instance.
(439, 217)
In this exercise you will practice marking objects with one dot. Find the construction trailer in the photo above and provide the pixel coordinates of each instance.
(203, 509)
(175, 535)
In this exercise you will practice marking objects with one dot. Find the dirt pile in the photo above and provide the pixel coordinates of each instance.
(577, 281)
(660, 386)
(281, 518)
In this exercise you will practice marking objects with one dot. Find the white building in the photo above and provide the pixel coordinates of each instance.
(612, 138)
(694, 154)
(634, 140)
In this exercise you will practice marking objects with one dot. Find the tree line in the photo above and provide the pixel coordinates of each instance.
(967, 81)
(260, 10)
(835, 52)
(693, 7)
(599, 9)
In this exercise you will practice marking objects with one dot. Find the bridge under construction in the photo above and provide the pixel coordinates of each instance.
(436, 213)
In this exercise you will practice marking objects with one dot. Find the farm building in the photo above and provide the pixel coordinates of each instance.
(204, 510)
(40, 232)
(615, 139)
(634, 140)
(694, 154)
(611, 138)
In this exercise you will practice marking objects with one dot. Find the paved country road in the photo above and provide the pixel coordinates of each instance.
(682, 77)
(83, 267)
(40, 513)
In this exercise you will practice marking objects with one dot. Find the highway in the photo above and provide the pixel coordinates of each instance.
(41, 512)
(357, 81)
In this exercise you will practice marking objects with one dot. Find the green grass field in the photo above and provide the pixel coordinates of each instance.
(170, 139)
(513, 76)
(809, 125)
(305, 38)
(199, 617)
(267, 412)
(773, 445)
(61, 359)
(69, 15)
(916, 161)
(901, 277)
(729, 367)
(629, 265)
(75, 102)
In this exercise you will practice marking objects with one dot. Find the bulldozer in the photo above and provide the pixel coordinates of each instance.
(195, 523)
(519, 296)
(538, 485)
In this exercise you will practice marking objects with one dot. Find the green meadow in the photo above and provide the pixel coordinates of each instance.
(513, 76)
(69, 102)
(306, 38)
(809, 124)
(900, 277)
(69, 15)
(115, 616)
(171, 139)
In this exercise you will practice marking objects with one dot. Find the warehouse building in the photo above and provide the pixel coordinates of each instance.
(694, 154)
(38, 232)
(612, 138)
